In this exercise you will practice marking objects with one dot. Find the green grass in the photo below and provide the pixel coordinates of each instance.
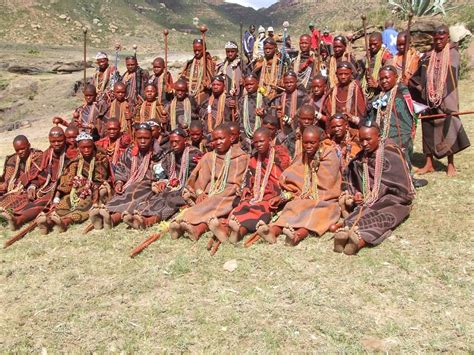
(82, 293)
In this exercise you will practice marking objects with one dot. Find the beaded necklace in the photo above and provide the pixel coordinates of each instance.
(102, 80)
(310, 186)
(151, 114)
(347, 102)
(259, 184)
(272, 80)
(187, 112)
(183, 170)
(11, 183)
(374, 73)
(303, 79)
(44, 190)
(233, 66)
(122, 107)
(246, 119)
(130, 80)
(218, 185)
(195, 82)
(219, 112)
(384, 114)
(437, 74)
(371, 194)
(293, 102)
(73, 198)
(138, 173)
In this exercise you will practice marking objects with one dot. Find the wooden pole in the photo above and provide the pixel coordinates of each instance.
(241, 54)
(442, 115)
(85, 55)
(203, 30)
(407, 45)
(366, 43)
(166, 33)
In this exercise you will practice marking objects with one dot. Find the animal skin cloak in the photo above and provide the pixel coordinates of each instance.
(314, 215)
(219, 204)
(394, 199)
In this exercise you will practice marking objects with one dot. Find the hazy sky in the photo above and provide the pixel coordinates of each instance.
(254, 3)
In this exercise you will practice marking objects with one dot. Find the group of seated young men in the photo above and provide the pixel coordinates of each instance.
(227, 151)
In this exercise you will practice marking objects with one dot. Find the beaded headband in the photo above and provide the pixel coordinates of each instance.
(269, 41)
(339, 116)
(219, 77)
(198, 40)
(101, 55)
(344, 64)
(291, 73)
(179, 132)
(152, 123)
(231, 45)
(389, 68)
(142, 126)
(84, 136)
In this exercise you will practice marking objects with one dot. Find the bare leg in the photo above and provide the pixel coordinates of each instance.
(451, 171)
(194, 232)
(294, 237)
(354, 244)
(219, 229)
(428, 168)
(269, 233)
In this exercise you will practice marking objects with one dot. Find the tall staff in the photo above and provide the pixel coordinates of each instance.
(286, 24)
(407, 45)
(85, 55)
(166, 33)
(203, 30)
(242, 48)
(366, 40)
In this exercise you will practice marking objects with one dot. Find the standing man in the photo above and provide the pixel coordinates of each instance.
(230, 69)
(103, 77)
(315, 36)
(443, 136)
(248, 43)
(389, 37)
(135, 78)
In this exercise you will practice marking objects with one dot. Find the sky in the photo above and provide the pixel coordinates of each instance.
(256, 4)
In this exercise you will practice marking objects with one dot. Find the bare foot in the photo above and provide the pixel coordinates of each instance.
(175, 230)
(425, 170)
(138, 221)
(218, 229)
(294, 237)
(340, 240)
(127, 218)
(264, 231)
(96, 218)
(194, 232)
(42, 223)
(451, 171)
(235, 235)
(57, 220)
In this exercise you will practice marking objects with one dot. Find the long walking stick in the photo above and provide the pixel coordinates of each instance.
(242, 48)
(203, 30)
(366, 43)
(442, 115)
(166, 33)
(407, 45)
(20, 234)
(151, 239)
(286, 24)
(85, 55)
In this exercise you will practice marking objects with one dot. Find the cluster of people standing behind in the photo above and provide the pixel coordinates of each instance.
(276, 144)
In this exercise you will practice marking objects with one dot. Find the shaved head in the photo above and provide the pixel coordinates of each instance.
(20, 139)
(56, 132)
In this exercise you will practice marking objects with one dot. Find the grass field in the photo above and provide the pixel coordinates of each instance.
(82, 293)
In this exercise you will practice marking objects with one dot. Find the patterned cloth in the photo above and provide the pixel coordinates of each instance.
(315, 215)
(395, 196)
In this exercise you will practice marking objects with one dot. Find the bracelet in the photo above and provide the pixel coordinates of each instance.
(56, 200)
(286, 195)
(31, 187)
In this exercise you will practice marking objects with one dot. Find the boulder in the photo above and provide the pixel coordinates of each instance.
(70, 67)
(23, 69)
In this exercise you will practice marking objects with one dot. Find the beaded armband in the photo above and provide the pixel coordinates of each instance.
(286, 195)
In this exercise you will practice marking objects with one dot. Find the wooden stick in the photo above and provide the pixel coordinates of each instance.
(85, 55)
(203, 30)
(407, 45)
(366, 43)
(88, 228)
(166, 32)
(252, 240)
(442, 115)
(139, 248)
(20, 235)
(242, 48)
(217, 243)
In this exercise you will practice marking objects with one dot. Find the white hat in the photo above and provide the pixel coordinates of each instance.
(270, 29)
(261, 29)
(101, 55)
(84, 136)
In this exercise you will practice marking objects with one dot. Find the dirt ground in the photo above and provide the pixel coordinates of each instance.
(82, 293)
